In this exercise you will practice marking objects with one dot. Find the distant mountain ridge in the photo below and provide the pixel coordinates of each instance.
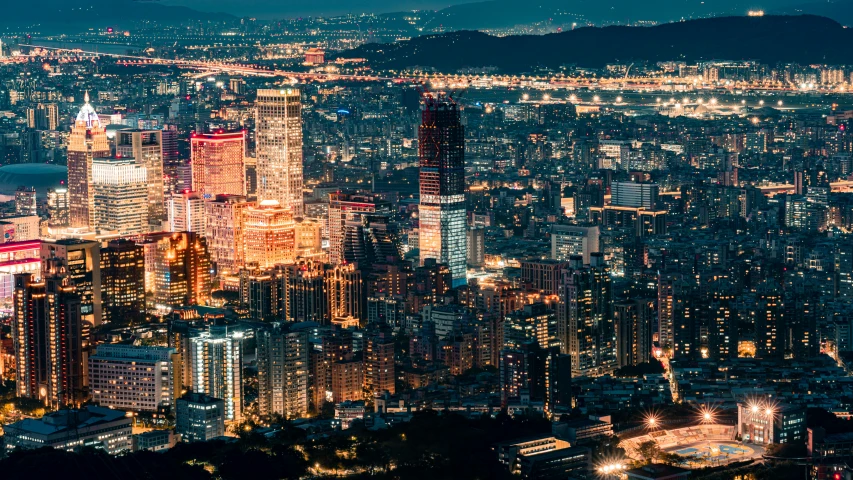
(66, 15)
(801, 39)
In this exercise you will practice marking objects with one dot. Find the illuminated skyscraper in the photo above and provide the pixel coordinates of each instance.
(269, 235)
(82, 261)
(305, 296)
(216, 359)
(217, 164)
(177, 269)
(146, 146)
(43, 116)
(283, 370)
(442, 187)
(278, 136)
(186, 212)
(586, 315)
(57, 207)
(47, 333)
(123, 280)
(88, 141)
(121, 195)
(347, 299)
(225, 220)
(25, 201)
(342, 207)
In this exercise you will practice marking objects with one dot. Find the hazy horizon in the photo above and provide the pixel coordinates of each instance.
(271, 9)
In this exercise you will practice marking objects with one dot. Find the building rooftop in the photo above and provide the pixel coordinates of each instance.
(656, 471)
(64, 420)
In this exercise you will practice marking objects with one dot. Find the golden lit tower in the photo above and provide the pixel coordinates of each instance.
(278, 123)
(269, 235)
(88, 141)
(217, 161)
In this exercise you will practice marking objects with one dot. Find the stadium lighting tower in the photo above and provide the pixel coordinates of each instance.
(652, 421)
(611, 468)
(707, 415)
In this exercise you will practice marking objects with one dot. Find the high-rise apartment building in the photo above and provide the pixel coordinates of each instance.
(441, 213)
(43, 116)
(305, 296)
(585, 314)
(82, 262)
(476, 247)
(217, 161)
(177, 266)
(269, 234)
(146, 146)
(379, 372)
(342, 207)
(88, 141)
(120, 188)
(283, 370)
(185, 211)
(347, 298)
(278, 137)
(25, 201)
(224, 226)
(216, 359)
(123, 280)
(632, 321)
(57, 207)
(47, 334)
(138, 379)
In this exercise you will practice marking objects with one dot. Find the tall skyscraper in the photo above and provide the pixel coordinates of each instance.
(216, 359)
(443, 223)
(120, 188)
(146, 146)
(224, 226)
(171, 156)
(217, 163)
(283, 370)
(88, 141)
(278, 136)
(47, 333)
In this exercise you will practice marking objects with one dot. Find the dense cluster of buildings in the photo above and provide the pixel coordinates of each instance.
(381, 251)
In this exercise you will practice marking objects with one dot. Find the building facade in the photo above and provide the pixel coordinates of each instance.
(442, 218)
